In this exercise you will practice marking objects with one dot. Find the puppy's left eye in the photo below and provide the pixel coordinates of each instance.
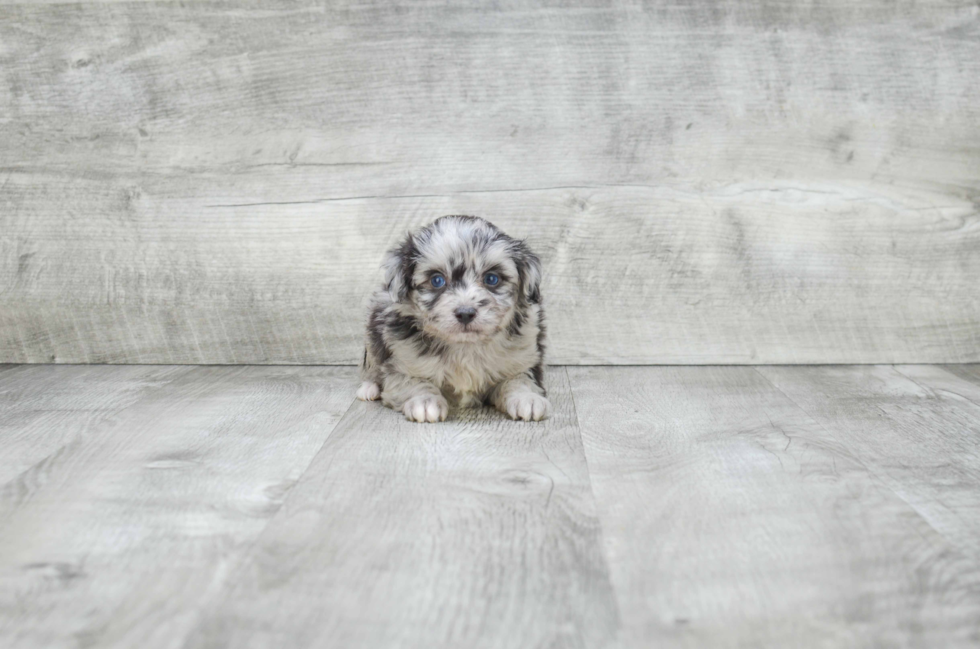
(491, 280)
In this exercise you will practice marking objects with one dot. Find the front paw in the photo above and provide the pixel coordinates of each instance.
(426, 407)
(527, 406)
(369, 391)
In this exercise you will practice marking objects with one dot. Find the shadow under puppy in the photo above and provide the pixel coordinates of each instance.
(459, 320)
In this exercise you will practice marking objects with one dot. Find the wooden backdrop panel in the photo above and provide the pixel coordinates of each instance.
(706, 183)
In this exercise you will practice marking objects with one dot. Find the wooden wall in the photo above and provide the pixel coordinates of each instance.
(706, 181)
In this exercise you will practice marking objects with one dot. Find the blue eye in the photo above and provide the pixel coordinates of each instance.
(437, 281)
(491, 279)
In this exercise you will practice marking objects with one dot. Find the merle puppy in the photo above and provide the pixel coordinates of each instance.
(458, 320)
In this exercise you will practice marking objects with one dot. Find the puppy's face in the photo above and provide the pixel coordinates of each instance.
(464, 277)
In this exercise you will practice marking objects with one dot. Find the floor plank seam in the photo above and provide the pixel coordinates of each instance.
(248, 548)
(595, 501)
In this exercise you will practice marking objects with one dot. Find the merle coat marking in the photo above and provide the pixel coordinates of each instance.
(421, 352)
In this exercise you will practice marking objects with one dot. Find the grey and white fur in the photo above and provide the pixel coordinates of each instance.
(458, 320)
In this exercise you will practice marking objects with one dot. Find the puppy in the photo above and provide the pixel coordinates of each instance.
(458, 320)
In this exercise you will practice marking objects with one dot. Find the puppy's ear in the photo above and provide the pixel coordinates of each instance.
(399, 267)
(529, 273)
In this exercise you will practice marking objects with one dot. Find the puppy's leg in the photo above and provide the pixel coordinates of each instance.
(370, 389)
(521, 398)
(418, 400)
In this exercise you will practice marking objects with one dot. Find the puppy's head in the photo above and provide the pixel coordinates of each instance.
(463, 278)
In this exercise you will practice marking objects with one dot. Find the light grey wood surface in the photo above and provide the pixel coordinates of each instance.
(916, 427)
(731, 518)
(706, 182)
(969, 373)
(148, 484)
(44, 409)
(212, 507)
(480, 532)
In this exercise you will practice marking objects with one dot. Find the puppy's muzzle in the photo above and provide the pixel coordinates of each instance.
(465, 314)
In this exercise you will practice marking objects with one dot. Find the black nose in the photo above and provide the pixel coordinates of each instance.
(465, 314)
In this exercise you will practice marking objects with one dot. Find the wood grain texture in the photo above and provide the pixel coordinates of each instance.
(916, 427)
(119, 536)
(477, 532)
(967, 372)
(43, 408)
(706, 182)
(733, 519)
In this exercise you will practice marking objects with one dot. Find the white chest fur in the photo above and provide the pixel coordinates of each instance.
(466, 372)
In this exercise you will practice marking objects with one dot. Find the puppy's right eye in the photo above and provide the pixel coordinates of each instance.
(437, 281)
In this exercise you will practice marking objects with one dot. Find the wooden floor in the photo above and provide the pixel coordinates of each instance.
(203, 506)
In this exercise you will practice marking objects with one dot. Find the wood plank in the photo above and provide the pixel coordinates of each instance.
(120, 536)
(477, 532)
(731, 518)
(916, 427)
(43, 408)
(966, 372)
(736, 183)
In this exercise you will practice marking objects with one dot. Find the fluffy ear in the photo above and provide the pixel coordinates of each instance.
(529, 272)
(399, 266)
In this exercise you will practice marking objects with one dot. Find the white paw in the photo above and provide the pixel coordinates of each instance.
(369, 391)
(426, 408)
(528, 406)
